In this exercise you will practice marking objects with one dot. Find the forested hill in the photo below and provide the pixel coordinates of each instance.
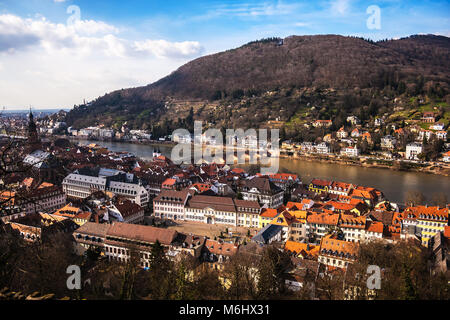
(291, 69)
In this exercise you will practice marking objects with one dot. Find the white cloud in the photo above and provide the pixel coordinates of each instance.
(340, 6)
(163, 48)
(301, 24)
(82, 38)
(57, 65)
(245, 10)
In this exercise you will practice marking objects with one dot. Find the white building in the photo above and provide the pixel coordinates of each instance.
(388, 142)
(442, 135)
(169, 204)
(413, 150)
(341, 133)
(350, 152)
(83, 182)
(323, 148)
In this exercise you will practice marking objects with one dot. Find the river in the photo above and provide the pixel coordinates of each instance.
(394, 184)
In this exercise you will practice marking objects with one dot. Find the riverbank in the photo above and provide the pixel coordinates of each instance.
(395, 165)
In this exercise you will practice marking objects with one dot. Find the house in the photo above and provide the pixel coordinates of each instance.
(216, 253)
(425, 133)
(337, 253)
(399, 132)
(123, 239)
(327, 138)
(302, 250)
(79, 216)
(44, 198)
(355, 133)
(388, 142)
(323, 148)
(442, 135)
(437, 126)
(413, 150)
(350, 152)
(340, 188)
(285, 181)
(91, 235)
(353, 120)
(267, 215)
(322, 123)
(37, 227)
(83, 182)
(430, 221)
(320, 186)
(169, 204)
(373, 230)
(352, 227)
(263, 190)
(341, 133)
(429, 117)
(367, 136)
(446, 157)
(130, 212)
(319, 224)
(379, 122)
(284, 219)
(268, 234)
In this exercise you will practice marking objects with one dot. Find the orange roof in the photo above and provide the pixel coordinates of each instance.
(352, 221)
(283, 176)
(202, 187)
(301, 248)
(269, 213)
(323, 218)
(169, 182)
(45, 185)
(28, 182)
(428, 213)
(335, 245)
(366, 194)
(294, 206)
(341, 206)
(238, 170)
(375, 226)
(284, 219)
(447, 232)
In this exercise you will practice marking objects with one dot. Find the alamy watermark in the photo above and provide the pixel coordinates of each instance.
(374, 280)
(74, 280)
(75, 14)
(374, 20)
(209, 147)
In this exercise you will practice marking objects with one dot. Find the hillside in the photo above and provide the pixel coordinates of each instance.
(265, 80)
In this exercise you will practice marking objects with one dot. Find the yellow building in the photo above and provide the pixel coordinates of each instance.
(430, 221)
(266, 216)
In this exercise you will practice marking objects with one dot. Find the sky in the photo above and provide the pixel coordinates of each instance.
(58, 53)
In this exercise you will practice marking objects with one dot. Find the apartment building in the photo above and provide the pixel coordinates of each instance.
(169, 204)
(121, 241)
(264, 191)
(83, 182)
(337, 253)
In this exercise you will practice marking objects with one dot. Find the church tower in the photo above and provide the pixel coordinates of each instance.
(34, 142)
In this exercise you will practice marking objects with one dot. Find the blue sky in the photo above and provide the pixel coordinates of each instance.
(119, 44)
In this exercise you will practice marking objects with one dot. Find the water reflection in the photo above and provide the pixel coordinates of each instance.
(394, 184)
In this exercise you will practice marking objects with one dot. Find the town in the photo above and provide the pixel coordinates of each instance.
(116, 204)
(414, 143)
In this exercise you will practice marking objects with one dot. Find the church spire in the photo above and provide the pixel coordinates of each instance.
(33, 137)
